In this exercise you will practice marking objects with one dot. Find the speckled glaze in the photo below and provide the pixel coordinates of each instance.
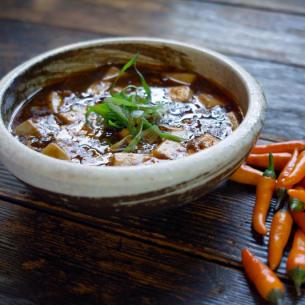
(139, 189)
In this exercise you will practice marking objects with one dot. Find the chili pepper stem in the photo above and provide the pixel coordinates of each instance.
(298, 288)
(269, 172)
(276, 296)
(285, 208)
(298, 276)
(281, 194)
(296, 205)
(265, 280)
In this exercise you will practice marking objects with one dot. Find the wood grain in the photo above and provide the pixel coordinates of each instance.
(47, 260)
(190, 255)
(229, 29)
(216, 227)
(283, 121)
(291, 6)
(284, 94)
(284, 88)
(21, 41)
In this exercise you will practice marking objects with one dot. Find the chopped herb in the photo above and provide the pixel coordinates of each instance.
(135, 140)
(132, 112)
(119, 145)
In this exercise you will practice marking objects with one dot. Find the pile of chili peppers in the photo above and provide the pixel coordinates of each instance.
(289, 158)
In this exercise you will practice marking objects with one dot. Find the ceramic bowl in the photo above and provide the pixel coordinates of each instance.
(129, 190)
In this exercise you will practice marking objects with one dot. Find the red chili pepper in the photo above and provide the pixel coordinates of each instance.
(299, 187)
(262, 160)
(296, 260)
(246, 175)
(289, 146)
(266, 282)
(297, 200)
(298, 172)
(279, 234)
(264, 192)
(281, 189)
(295, 204)
(299, 219)
(299, 194)
(302, 182)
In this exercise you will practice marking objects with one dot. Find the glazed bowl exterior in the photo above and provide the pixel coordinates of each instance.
(136, 189)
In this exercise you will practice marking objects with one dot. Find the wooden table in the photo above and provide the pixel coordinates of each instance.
(189, 255)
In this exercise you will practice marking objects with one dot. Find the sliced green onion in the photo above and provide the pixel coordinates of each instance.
(118, 101)
(122, 93)
(135, 140)
(129, 64)
(118, 146)
(118, 96)
(171, 137)
(135, 114)
(86, 116)
(145, 86)
(162, 134)
(122, 115)
(151, 134)
(102, 111)
(113, 124)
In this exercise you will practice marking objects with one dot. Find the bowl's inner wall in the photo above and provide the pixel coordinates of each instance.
(49, 70)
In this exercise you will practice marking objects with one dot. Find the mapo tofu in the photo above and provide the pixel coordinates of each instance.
(105, 117)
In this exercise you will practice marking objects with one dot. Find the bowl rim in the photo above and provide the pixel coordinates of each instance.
(167, 171)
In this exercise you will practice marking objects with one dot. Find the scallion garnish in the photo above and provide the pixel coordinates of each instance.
(136, 139)
(132, 112)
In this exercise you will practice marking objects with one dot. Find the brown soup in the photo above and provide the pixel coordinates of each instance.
(192, 110)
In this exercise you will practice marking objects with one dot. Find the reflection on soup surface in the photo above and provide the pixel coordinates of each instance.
(99, 117)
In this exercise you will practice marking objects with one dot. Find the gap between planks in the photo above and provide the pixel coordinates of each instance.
(107, 226)
(255, 33)
(110, 225)
(287, 7)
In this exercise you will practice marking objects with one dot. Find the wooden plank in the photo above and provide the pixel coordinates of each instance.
(291, 6)
(216, 227)
(277, 90)
(208, 228)
(20, 42)
(230, 29)
(183, 256)
(284, 88)
(47, 260)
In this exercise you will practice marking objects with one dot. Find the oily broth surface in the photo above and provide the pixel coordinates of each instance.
(91, 146)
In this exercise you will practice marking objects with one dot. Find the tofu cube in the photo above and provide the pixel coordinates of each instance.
(28, 127)
(54, 101)
(129, 159)
(117, 90)
(99, 87)
(112, 73)
(123, 133)
(205, 141)
(170, 150)
(209, 100)
(71, 117)
(182, 78)
(231, 116)
(179, 133)
(180, 94)
(53, 150)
